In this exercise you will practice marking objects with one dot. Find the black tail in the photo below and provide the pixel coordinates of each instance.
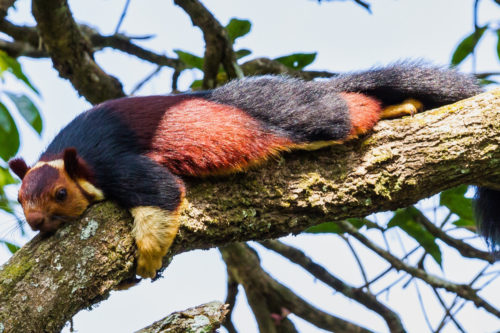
(487, 210)
(432, 86)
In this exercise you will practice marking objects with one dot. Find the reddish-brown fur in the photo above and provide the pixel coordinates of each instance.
(196, 137)
(364, 112)
(193, 136)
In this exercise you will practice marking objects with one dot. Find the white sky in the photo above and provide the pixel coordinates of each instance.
(346, 38)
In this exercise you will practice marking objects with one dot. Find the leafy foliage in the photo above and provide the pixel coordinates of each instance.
(454, 199)
(297, 61)
(467, 46)
(237, 28)
(407, 220)
(9, 134)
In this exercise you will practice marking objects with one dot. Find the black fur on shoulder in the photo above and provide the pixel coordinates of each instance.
(433, 86)
(487, 210)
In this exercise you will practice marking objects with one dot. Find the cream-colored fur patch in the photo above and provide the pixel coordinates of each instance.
(154, 231)
(58, 164)
(91, 189)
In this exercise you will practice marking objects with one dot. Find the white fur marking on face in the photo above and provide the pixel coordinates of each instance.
(58, 164)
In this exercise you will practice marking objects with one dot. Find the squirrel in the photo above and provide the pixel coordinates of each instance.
(135, 150)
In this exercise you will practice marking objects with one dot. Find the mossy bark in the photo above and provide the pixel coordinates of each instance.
(402, 161)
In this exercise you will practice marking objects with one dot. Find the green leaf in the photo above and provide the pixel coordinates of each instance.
(297, 61)
(6, 178)
(190, 60)
(242, 53)
(333, 228)
(196, 84)
(454, 199)
(13, 66)
(237, 28)
(498, 44)
(405, 219)
(12, 247)
(464, 223)
(467, 46)
(27, 109)
(324, 228)
(9, 136)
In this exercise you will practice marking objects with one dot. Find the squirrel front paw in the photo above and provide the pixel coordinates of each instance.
(154, 232)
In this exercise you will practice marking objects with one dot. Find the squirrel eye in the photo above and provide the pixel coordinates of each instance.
(61, 194)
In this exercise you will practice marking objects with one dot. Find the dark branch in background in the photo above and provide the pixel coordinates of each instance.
(263, 66)
(298, 257)
(232, 292)
(363, 4)
(271, 300)
(205, 318)
(465, 249)
(4, 7)
(71, 52)
(218, 48)
(122, 16)
(462, 290)
(146, 80)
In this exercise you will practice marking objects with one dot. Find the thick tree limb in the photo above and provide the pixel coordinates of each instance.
(72, 53)
(403, 160)
(218, 48)
(204, 318)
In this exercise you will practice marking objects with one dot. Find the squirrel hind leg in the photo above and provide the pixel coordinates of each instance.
(408, 107)
(154, 232)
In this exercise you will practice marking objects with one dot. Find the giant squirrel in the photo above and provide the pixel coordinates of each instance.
(134, 150)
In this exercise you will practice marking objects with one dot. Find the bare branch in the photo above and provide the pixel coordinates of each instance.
(71, 52)
(465, 249)
(122, 16)
(218, 48)
(267, 294)
(462, 290)
(298, 257)
(202, 318)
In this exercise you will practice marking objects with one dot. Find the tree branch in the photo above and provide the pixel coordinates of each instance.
(268, 297)
(298, 257)
(72, 53)
(402, 161)
(202, 318)
(218, 48)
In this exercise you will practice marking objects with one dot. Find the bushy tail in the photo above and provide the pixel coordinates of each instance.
(392, 84)
(487, 210)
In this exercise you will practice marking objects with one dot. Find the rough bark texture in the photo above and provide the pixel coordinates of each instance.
(204, 318)
(404, 160)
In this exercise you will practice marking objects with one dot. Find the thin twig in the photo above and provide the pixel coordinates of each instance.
(146, 79)
(122, 16)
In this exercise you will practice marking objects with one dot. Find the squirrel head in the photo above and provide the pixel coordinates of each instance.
(56, 191)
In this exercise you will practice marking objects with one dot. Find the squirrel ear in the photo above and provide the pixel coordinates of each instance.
(70, 158)
(19, 167)
(74, 165)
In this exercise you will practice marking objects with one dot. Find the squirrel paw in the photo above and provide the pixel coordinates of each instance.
(154, 231)
(408, 107)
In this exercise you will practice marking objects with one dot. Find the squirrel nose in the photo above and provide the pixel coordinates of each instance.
(35, 220)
